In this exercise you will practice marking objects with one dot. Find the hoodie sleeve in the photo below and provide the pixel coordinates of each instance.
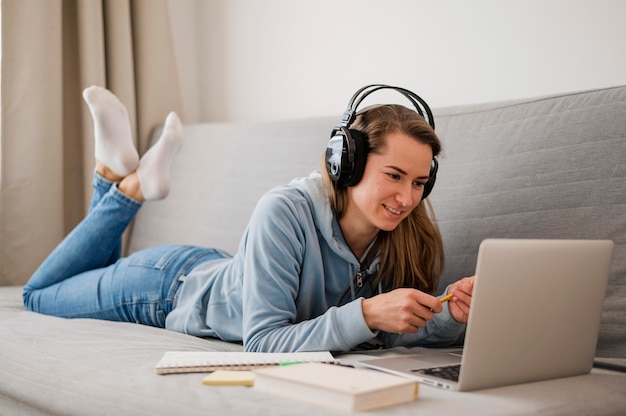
(283, 311)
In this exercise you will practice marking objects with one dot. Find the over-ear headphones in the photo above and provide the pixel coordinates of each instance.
(347, 149)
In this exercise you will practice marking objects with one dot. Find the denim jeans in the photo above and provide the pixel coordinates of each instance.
(84, 277)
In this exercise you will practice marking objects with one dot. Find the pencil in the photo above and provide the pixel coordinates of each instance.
(446, 298)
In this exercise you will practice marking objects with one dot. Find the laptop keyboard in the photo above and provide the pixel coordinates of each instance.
(448, 372)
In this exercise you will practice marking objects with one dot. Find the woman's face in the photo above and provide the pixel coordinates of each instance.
(391, 187)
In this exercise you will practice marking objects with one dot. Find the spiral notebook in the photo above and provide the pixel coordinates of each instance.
(174, 362)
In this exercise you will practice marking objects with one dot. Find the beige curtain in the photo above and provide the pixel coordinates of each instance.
(52, 50)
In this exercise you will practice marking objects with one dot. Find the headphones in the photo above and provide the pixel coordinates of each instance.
(347, 149)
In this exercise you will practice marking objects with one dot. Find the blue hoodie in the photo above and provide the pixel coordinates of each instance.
(291, 285)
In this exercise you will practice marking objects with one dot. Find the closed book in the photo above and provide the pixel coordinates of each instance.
(336, 386)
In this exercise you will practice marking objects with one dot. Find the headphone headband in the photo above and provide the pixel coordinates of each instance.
(420, 105)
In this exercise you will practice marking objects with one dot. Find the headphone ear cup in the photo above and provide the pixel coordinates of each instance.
(430, 184)
(346, 154)
(337, 164)
(359, 159)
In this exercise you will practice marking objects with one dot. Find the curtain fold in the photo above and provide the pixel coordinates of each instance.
(51, 51)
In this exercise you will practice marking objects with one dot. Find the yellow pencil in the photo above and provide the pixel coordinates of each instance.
(446, 298)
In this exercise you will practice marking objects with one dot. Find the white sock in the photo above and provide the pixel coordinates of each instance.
(154, 167)
(114, 141)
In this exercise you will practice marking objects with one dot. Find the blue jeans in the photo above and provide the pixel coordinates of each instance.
(84, 277)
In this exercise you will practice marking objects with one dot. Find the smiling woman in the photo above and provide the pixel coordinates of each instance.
(289, 287)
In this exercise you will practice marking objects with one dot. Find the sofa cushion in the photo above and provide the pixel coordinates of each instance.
(56, 366)
(219, 175)
(550, 167)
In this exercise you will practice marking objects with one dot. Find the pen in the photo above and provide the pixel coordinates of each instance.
(286, 363)
(446, 298)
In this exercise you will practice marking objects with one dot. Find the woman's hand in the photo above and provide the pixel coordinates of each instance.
(459, 305)
(400, 311)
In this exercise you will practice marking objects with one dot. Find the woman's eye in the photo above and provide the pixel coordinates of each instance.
(393, 176)
(418, 184)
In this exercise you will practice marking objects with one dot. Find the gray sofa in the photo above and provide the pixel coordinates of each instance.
(548, 167)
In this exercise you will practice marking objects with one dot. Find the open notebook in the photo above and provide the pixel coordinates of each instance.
(535, 315)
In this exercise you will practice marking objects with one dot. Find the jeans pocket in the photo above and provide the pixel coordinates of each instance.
(157, 257)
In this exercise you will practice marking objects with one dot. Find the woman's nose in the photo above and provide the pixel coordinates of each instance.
(405, 195)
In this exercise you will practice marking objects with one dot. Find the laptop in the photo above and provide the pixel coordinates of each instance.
(535, 315)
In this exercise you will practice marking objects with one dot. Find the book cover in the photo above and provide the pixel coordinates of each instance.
(335, 386)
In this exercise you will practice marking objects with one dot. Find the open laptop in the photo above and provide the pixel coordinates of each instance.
(535, 315)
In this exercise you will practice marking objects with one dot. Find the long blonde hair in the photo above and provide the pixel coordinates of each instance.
(411, 255)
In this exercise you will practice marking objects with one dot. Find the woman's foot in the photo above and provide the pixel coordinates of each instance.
(153, 171)
(114, 147)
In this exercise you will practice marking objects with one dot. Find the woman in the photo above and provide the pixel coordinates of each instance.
(321, 266)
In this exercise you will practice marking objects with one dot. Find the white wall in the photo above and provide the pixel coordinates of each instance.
(252, 60)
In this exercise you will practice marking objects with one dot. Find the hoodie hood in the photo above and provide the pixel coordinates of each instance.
(312, 188)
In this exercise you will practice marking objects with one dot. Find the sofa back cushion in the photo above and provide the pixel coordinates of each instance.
(219, 175)
(550, 167)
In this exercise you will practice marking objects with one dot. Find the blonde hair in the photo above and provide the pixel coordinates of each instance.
(411, 255)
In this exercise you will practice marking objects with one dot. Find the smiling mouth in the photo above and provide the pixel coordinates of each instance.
(392, 210)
